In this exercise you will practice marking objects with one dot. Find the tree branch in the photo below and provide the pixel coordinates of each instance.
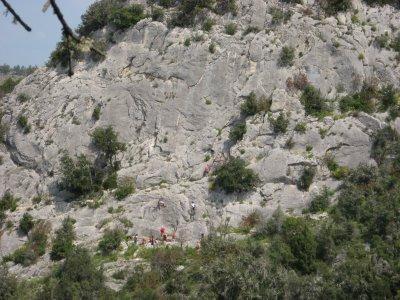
(15, 15)
(68, 32)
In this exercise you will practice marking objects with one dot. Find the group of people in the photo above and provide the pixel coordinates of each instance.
(192, 212)
(152, 240)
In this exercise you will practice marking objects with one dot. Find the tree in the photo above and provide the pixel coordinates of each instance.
(63, 244)
(105, 139)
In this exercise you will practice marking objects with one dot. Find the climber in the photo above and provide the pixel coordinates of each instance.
(207, 169)
(162, 231)
(160, 204)
(192, 210)
(135, 238)
(152, 240)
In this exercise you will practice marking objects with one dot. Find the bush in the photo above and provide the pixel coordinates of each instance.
(320, 202)
(361, 101)
(237, 132)
(230, 29)
(96, 113)
(313, 102)
(157, 14)
(79, 177)
(388, 97)
(8, 284)
(252, 105)
(63, 243)
(34, 247)
(8, 202)
(286, 57)
(279, 15)
(111, 241)
(280, 124)
(251, 29)
(306, 178)
(78, 278)
(23, 98)
(298, 235)
(8, 85)
(61, 54)
(208, 24)
(235, 177)
(226, 6)
(188, 10)
(384, 144)
(301, 128)
(124, 189)
(332, 7)
(24, 124)
(105, 139)
(299, 82)
(124, 17)
(97, 15)
(26, 223)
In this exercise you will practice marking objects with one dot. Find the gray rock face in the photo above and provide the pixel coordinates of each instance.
(173, 105)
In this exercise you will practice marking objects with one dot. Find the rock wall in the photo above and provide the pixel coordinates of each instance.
(174, 105)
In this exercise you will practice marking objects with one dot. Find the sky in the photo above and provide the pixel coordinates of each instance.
(19, 47)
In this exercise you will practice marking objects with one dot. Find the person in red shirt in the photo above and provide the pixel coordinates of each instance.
(162, 231)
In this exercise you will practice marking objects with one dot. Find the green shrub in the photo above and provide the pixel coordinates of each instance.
(361, 101)
(124, 189)
(208, 24)
(383, 41)
(286, 57)
(231, 29)
(8, 85)
(63, 243)
(252, 105)
(8, 202)
(251, 29)
(23, 123)
(211, 48)
(188, 10)
(279, 15)
(233, 176)
(8, 284)
(395, 44)
(226, 6)
(332, 7)
(105, 139)
(280, 124)
(187, 42)
(26, 223)
(340, 172)
(388, 97)
(111, 181)
(313, 102)
(96, 113)
(23, 98)
(97, 15)
(384, 145)
(79, 177)
(124, 17)
(78, 278)
(111, 241)
(306, 178)
(37, 239)
(298, 235)
(157, 14)
(34, 247)
(237, 132)
(60, 55)
(320, 202)
(301, 128)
